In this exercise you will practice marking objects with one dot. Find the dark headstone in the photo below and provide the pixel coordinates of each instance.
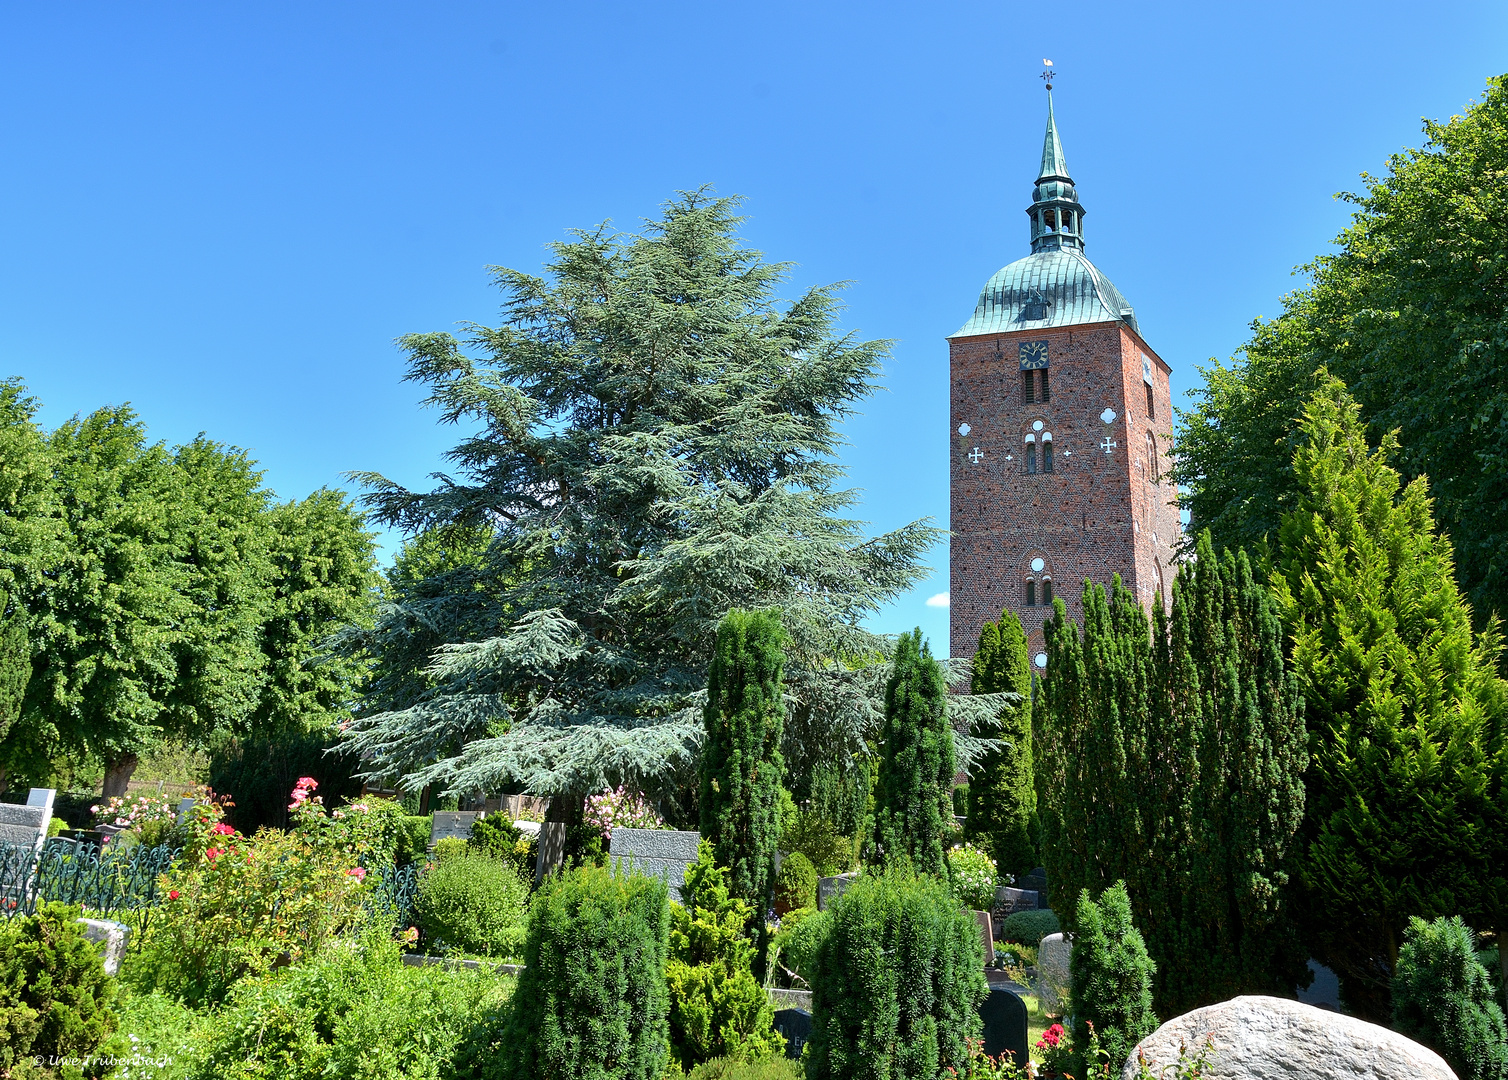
(830, 888)
(795, 1026)
(552, 836)
(1008, 901)
(1004, 1016)
(1036, 882)
(662, 853)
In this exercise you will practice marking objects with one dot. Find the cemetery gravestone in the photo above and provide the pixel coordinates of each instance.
(1052, 973)
(448, 824)
(986, 935)
(114, 935)
(552, 835)
(830, 888)
(1036, 882)
(795, 1026)
(661, 853)
(1008, 901)
(25, 826)
(1004, 1016)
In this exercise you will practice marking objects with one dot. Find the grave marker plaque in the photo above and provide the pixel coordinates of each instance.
(986, 935)
(551, 849)
(448, 824)
(830, 888)
(795, 1026)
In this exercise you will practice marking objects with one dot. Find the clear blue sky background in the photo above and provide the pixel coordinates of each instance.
(225, 214)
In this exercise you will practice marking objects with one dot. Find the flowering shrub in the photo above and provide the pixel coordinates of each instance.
(249, 903)
(132, 811)
(620, 807)
(981, 1066)
(973, 874)
(153, 819)
(1054, 1050)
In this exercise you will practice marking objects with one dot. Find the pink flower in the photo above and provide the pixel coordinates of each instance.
(223, 829)
(307, 783)
(213, 852)
(357, 872)
(172, 894)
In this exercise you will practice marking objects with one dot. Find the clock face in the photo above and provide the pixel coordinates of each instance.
(1033, 354)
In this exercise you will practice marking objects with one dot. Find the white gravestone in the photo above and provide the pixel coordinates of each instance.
(1053, 978)
(452, 824)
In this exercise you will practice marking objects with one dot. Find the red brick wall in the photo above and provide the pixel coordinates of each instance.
(1095, 515)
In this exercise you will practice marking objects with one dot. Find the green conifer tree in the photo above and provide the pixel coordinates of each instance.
(913, 804)
(1173, 761)
(741, 767)
(1408, 790)
(1111, 977)
(1002, 799)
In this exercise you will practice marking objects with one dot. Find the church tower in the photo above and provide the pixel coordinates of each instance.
(1061, 433)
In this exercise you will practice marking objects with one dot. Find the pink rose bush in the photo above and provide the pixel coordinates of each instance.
(621, 807)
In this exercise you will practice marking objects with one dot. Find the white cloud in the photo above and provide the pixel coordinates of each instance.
(940, 600)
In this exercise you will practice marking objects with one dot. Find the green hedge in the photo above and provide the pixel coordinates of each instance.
(472, 904)
(1029, 927)
(55, 998)
(796, 883)
(897, 979)
(591, 1003)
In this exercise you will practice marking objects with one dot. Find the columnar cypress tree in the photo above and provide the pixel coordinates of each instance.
(1408, 792)
(1002, 799)
(741, 767)
(1174, 760)
(912, 803)
(1112, 977)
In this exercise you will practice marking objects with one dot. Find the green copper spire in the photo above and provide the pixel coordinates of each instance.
(1053, 162)
(1057, 217)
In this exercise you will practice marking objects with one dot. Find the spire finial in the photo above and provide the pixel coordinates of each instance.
(1047, 75)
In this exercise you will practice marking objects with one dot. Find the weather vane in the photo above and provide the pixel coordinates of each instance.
(1048, 74)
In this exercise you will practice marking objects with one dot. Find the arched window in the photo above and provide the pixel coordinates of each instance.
(1151, 405)
(1047, 591)
(1154, 462)
(1049, 219)
(1031, 455)
(1031, 593)
(1047, 451)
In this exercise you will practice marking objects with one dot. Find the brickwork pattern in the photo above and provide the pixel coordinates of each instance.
(1096, 514)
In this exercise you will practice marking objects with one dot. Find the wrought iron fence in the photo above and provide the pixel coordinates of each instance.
(102, 882)
(396, 890)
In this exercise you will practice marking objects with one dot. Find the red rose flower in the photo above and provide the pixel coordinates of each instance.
(173, 894)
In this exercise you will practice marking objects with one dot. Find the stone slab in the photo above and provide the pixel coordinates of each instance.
(185, 804)
(789, 999)
(830, 888)
(19, 835)
(664, 853)
(795, 1026)
(1004, 1016)
(1053, 979)
(1268, 1038)
(1008, 901)
(43, 797)
(986, 935)
(114, 935)
(528, 828)
(28, 817)
(452, 824)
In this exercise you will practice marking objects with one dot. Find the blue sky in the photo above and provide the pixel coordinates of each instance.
(225, 214)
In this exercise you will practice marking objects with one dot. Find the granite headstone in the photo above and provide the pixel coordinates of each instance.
(552, 837)
(830, 888)
(1004, 1016)
(662, 853)
(795, 1026)
(1053, 979)
(1008, 901)
(451, 824)
(986, 935)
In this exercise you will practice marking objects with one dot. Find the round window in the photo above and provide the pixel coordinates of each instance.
(1037, 565)
(964, 429)
(1041, 660)
(1036, 425)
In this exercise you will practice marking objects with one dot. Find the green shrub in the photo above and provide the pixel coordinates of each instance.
(737, 1069)
(819, 840)
(794, 946)
(796, 883)
(1111, 976)
(717, 1008)
(973, 875)
(1029, 927)
(450, 847)
(473, 904)
(497, 836)
(162, 1034)
(413, 839)
(1442, 997)
(55, 998)
(896, 982)
(352, 1012)
(591, 1003)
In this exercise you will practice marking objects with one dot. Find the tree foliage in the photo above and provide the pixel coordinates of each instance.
(1002, 804)
(1412, 312)
(1408, 789)
(741, 766)
(1442, 997)
(1111, 976)
(652, 447)
(1172, 759)
(896, 982)
(913, 805)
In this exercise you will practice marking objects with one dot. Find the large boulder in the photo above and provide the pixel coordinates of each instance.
(1268, 1038)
